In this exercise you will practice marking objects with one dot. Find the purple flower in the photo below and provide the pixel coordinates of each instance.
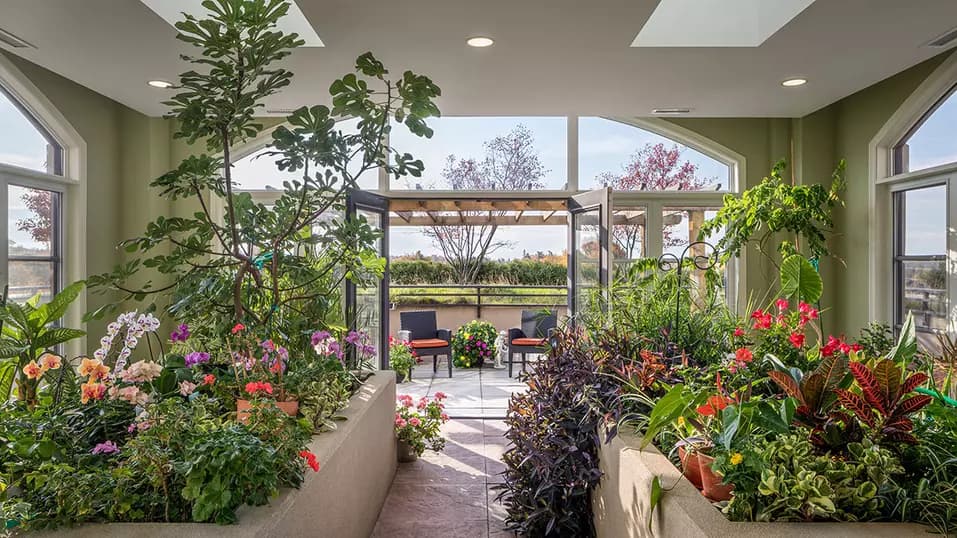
(180, 334)
(108, 447)
(353, 338)
(268, 345)
(196, 357)
(319, 336)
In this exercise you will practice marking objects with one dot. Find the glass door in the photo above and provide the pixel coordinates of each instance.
(367, 305)
(589, 240)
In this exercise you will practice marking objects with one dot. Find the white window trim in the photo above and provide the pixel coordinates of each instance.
(881, 182)
(72, 184)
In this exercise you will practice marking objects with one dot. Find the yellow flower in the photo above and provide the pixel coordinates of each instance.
(681, 421)
(32, 370)
(736, 458)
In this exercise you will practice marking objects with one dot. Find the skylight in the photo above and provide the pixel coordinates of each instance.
(716, 23)
(172, 11)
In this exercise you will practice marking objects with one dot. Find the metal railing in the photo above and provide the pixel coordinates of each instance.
(478, 295)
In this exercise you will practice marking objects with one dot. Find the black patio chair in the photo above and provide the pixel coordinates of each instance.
(532, 337)
(426, 338)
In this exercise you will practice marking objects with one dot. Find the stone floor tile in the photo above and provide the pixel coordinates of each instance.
(443, 469)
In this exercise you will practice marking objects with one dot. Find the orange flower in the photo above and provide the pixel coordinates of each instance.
(94, 368)
(50, 361)
(92, 391)
(714, 406)
(33, 370)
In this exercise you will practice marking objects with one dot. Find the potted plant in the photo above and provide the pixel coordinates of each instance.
(402, 358)
(417, 425)
(473, 343)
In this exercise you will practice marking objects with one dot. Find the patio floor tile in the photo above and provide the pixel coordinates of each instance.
(449, 493)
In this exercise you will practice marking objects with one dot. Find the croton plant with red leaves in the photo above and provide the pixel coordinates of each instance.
(885, 401)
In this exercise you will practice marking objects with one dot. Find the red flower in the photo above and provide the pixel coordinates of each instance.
(832, 345)
(739, 332)
(762, 320)
(782, 304)
(714, 405)
(310, 459)
(807, 310)
(856, 348)
(209, 379)
(743, 355)
(237, 327)
(797, 340)
(255, 387)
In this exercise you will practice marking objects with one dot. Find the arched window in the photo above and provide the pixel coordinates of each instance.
(257, 171)
(626, 157)
(932, 141)
(31, 194)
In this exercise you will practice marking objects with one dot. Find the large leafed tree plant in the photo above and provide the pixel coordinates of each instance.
(278, 266)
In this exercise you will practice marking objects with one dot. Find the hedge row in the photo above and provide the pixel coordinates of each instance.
(514, 272)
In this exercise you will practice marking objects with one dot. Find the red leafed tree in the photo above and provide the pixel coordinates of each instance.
(654, 167)
(511, 163)
(40, 223)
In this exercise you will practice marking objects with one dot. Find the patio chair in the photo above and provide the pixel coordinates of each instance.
(425, 338)
(532, 337)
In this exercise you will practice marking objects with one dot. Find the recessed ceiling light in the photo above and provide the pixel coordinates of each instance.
(480, 41)
(671, 111)
(160, 84)
(792, 82)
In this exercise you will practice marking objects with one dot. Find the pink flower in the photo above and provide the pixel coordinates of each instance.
(187, 387)
(743, 355)
(108, 447)
(782, 304)
(440, 395)
(400, 422)
(444, 417)
(415, 422)
(739, 332)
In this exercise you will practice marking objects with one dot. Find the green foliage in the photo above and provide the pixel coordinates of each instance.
(473, 343)
(267, 265)
(776, 206)
(29, 331)
(876, 340)
(515, 272)
(797, 484)
(799, 280)
(402, 358)
(643, 306)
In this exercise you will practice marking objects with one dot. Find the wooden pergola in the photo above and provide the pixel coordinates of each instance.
(486, 212)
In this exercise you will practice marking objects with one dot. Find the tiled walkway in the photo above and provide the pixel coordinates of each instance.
(449, 493)
(472, 392)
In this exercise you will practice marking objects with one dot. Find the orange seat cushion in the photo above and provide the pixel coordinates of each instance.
(426, 343)
(538, 342)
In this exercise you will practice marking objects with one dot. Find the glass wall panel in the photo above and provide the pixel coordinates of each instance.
(23, 144)
(487, 153)
(628, 158)
(933, 142)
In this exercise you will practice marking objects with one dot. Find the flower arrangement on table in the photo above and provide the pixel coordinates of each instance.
(418, 424)
(402, 358)
(473, 343)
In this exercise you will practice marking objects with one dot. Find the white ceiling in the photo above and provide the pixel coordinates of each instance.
(551, 57)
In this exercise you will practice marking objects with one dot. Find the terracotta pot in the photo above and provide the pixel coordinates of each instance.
(690, 466)
(405, 452)
(711, 482)
(290, 407)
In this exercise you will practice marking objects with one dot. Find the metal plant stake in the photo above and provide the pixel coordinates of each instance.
(669, 262)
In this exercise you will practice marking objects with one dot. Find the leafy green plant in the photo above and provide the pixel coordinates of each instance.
(473, 343)
(29, 331)
(876, 339)
(797, 484)
(776, 206)
(402, 358)
(262, 265)
(800, 280)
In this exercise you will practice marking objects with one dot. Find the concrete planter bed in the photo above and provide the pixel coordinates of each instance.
(621, 504)
(342, 500)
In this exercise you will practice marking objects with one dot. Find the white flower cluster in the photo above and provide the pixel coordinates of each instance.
(136, 326)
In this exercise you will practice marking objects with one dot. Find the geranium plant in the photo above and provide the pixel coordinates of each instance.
(402, 358)
(473, 343)
(418, 423)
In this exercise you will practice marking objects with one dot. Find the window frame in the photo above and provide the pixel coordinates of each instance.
(898, 156)
(899, 257)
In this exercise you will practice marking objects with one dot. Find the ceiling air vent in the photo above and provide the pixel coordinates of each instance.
(944, 40)
(9, 39)
(280, 110)
(671, 111)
